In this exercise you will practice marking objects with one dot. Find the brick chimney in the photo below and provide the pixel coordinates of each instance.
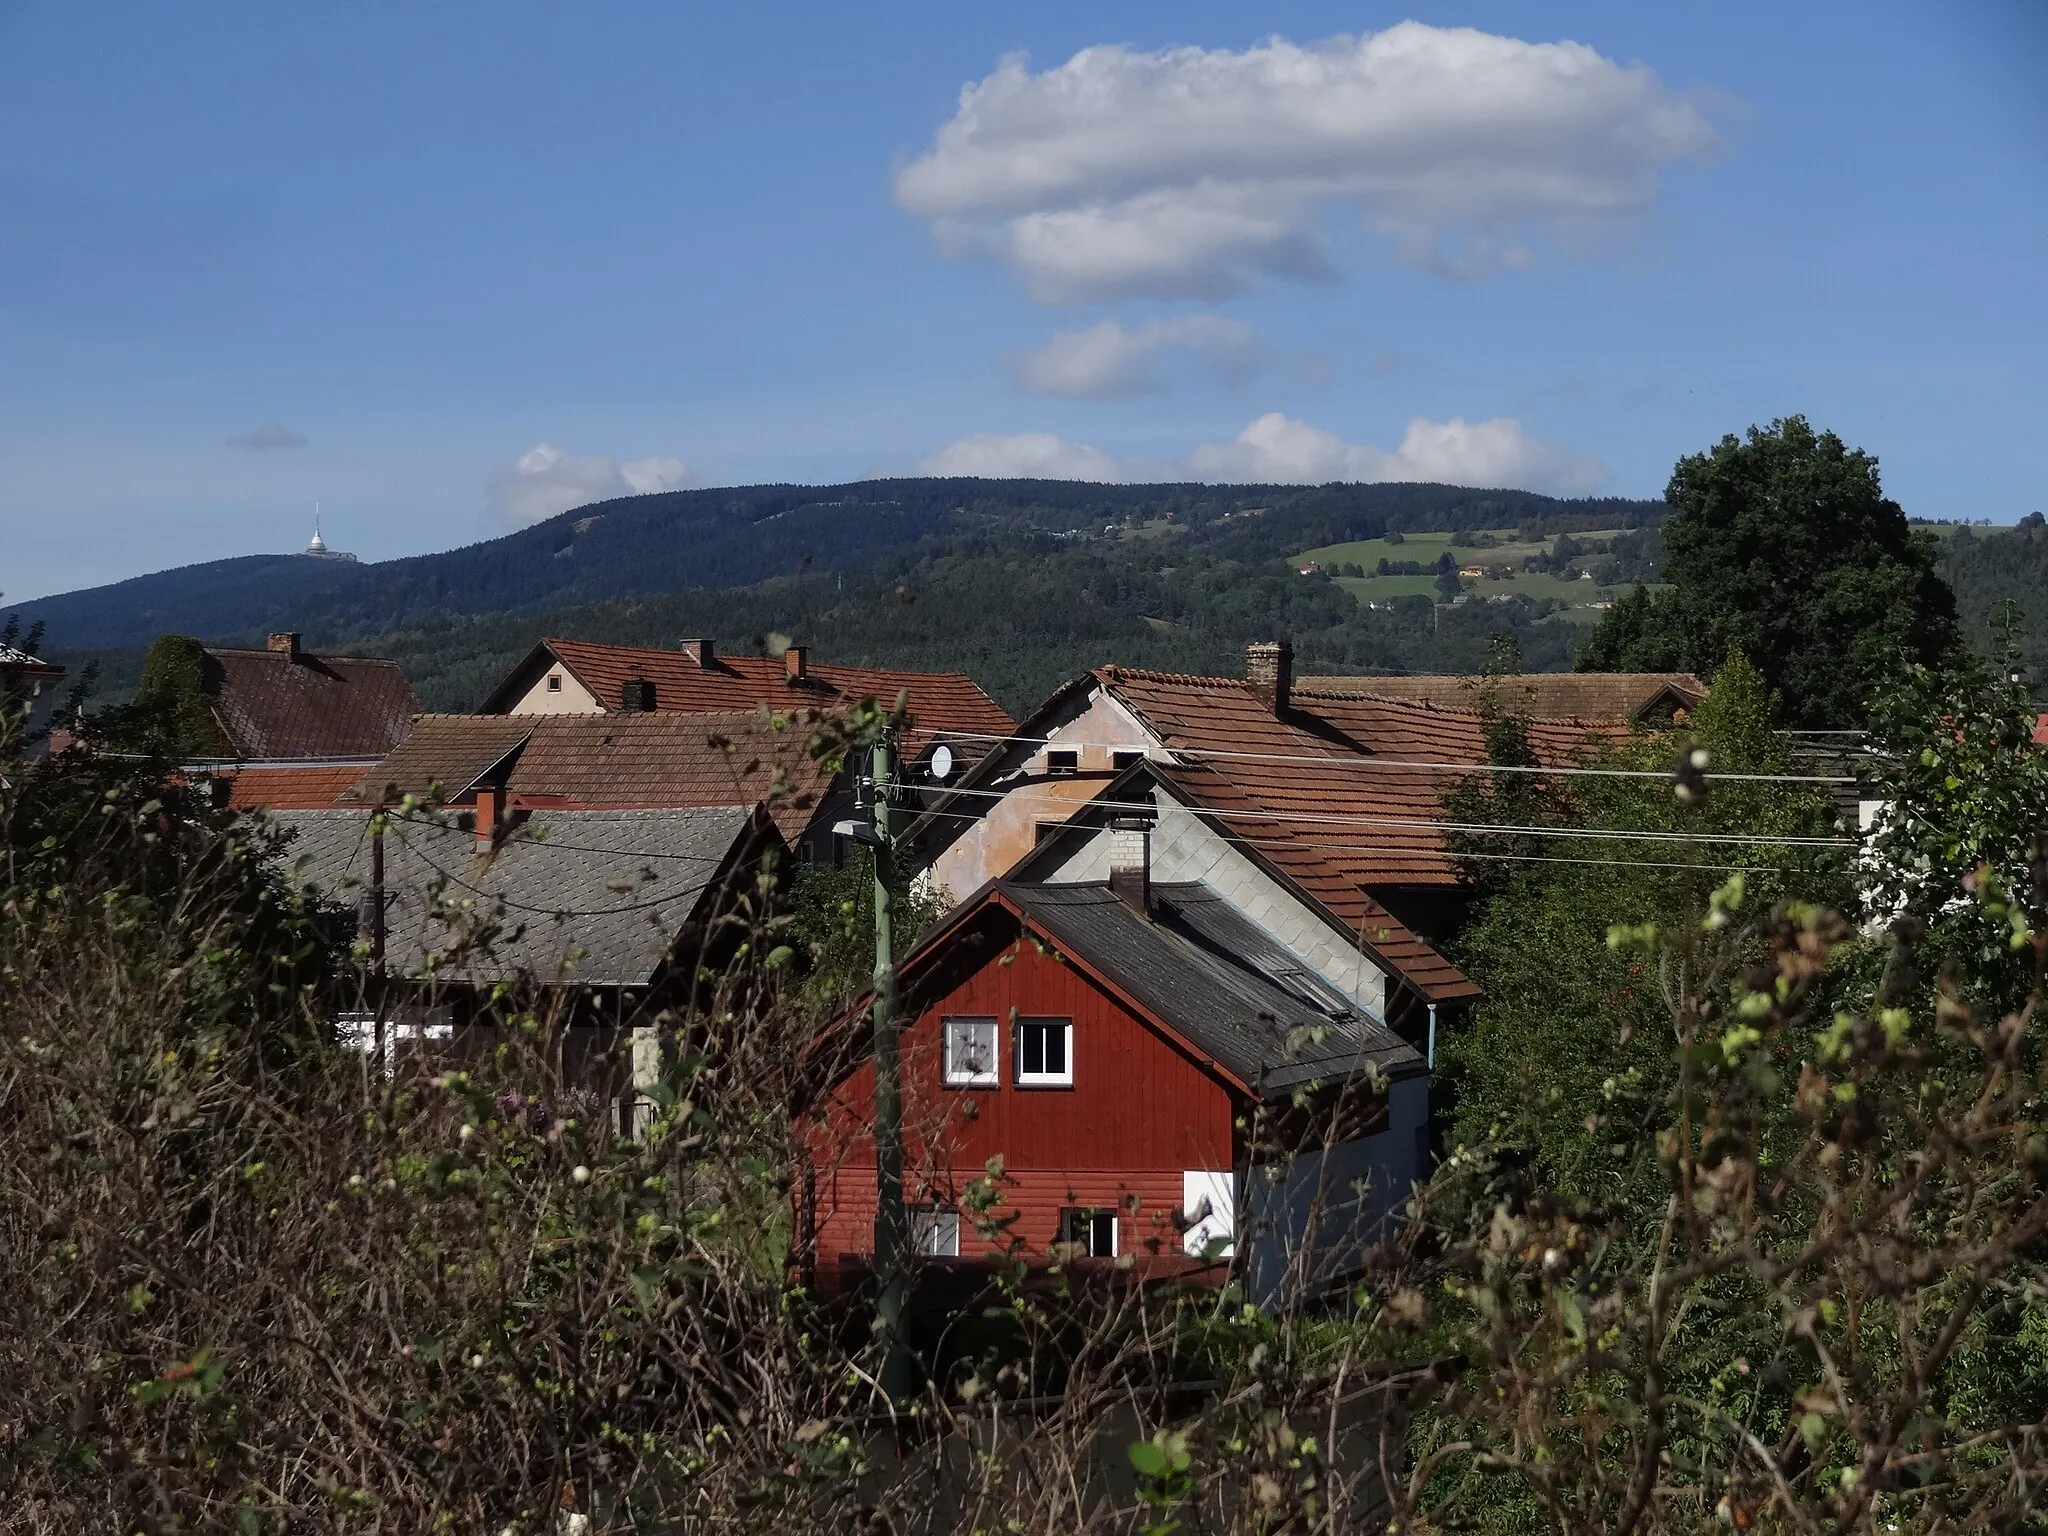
(796, 663)
(286, 645)
(636, 695)
(490, 815)
(1269, 668)
(701, 652)
(1130, 860)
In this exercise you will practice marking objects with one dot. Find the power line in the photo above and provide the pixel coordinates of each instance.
(1362, 761)
(1487, 829)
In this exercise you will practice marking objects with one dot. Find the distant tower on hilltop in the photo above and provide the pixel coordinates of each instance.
(316, 547)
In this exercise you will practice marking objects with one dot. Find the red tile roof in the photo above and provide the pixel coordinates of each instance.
(640, 761)
(1339, 832)
(1608, 697)
(938, 701)
(289, 789)
(276, 705)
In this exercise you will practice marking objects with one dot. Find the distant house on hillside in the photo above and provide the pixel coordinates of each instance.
(23, 676)
(1595, 698)
(581, 677)
(296, 728)
(500, 769)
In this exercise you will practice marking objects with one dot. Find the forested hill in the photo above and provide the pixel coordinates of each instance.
(719, 540)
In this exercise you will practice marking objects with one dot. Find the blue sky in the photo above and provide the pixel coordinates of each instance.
(461, 265)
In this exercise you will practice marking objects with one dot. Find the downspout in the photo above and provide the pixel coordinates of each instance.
(1432, 1037)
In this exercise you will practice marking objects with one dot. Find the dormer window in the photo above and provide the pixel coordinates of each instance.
(554, 682)
(1062, 764)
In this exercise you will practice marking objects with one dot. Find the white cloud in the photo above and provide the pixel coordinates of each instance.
(1022, 456)
(269, 435)
(1107, 362)
(1191, 172)
(1278, 450)
(544, 481)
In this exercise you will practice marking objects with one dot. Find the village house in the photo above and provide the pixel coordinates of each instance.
(1168, 1080)
(1653, 699)
(568, 677)
(615, 917)
(297, 728)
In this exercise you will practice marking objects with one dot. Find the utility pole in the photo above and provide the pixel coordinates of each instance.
(386, 1047)
(892, 1219)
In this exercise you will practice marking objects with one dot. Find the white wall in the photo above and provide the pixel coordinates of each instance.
(572, 699)
(1186, 848)
(1312, 1218)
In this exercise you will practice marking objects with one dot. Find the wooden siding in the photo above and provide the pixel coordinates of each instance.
(1140, 1112)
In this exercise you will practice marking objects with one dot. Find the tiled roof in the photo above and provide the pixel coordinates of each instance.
(1217, 980)
(1607, 697)
(13, 659)
(453, 751)
(281, 789)
(276, 706)
(1341, 830)
(653, 759)
(939, 701)
(618, 886)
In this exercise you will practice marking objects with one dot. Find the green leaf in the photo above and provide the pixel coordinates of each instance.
(1147, 1458)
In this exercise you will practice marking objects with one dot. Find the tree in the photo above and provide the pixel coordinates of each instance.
(1784, 546)
(171, 708)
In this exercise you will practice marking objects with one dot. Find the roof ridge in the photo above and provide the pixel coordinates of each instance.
(1113, 673)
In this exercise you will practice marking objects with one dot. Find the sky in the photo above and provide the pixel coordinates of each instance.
(445, 270)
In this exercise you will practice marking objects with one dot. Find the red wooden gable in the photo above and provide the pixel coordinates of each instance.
(1143, 1109)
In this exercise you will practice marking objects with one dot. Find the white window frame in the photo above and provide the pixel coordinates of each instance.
(554, 682)
(1064, 1078)
(1090, 1215)
(952, 1071)
(935, 1231)
(359, 1032)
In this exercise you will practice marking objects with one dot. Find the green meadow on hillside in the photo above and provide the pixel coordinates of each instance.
(1502, 552)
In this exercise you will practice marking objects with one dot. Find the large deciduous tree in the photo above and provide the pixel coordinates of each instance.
(1784, 546)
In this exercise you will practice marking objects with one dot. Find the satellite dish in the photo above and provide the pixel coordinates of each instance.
(942, 762)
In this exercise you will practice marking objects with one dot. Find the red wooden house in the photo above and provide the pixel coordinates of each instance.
(1156, 1072)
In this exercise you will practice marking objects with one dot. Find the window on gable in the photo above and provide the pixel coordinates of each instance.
(1045, 1053)
(1088, 1232)
(1122, 759)
(935, 1231)
(554, 682)
(1062, 764)
(970, 1053)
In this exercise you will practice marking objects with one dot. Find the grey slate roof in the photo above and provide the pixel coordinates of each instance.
(1223, 983)
(619, 886)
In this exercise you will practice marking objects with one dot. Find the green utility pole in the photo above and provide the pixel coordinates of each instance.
(892, 1220)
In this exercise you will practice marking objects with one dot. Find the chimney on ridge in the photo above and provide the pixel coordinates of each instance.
(286, 645)
(700, 652)
(796, 663)
(1269, 669)
(636, 695)
(1130, 859)
(490, 814)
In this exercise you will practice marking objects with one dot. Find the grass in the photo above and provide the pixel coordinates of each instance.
(1573, 596)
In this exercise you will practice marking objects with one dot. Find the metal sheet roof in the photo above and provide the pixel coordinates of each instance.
(1222, 983)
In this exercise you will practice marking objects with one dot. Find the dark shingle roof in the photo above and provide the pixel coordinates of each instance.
(1219, 981)
(619, 886)
(273, 705)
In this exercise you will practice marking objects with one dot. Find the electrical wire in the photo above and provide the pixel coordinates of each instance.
(1361, 761)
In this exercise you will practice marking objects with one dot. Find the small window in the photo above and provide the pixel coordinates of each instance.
(935, 1231)
(1089, 1232)
(1045, 1055)
(1043, 830)
(1063, 764)
(1125, 759)
(554, 682)
(971, 1053)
